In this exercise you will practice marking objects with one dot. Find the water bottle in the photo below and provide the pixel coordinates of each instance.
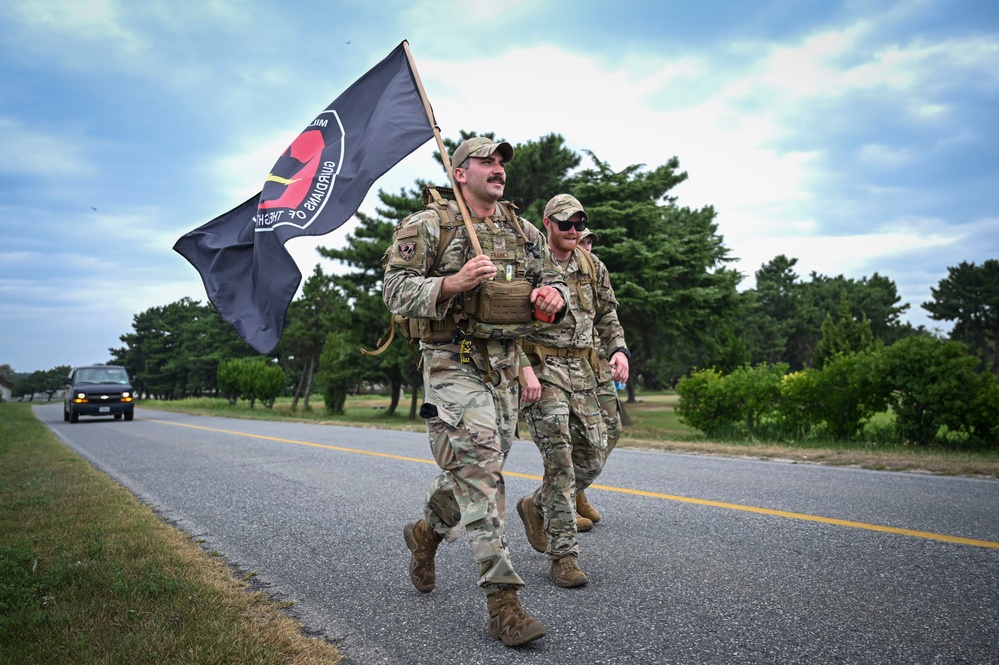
(620, 385)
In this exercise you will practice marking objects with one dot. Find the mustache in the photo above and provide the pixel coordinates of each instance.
(496, 178)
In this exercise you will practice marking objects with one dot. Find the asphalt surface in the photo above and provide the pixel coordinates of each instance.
(698, 559)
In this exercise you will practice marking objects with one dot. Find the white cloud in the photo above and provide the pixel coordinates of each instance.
(884, 155)
(57, 24)
(26, 151)
(471, 22)
(811, 68)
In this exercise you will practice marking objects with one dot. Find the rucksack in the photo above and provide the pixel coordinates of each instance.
(439, 199)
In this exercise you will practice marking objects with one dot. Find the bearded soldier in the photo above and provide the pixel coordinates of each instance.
(567, 423)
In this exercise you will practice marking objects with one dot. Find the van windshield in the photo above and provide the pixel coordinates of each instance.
(114, 375)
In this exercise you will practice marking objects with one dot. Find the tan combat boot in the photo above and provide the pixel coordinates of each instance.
(566, 572)
(534, 523)
(422, 541)
(509, 622)
(585, 508)
(583, 523)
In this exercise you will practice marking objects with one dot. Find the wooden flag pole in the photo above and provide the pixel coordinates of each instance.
(444, 156)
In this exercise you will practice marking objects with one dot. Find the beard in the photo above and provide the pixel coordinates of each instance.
(564, 244)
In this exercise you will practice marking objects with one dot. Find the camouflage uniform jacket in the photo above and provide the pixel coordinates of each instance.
(591, 324)
(409, 291)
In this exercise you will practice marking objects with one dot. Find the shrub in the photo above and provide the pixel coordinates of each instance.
(270, 382)
(849, 390)
(983, 412)
(249, 371)
(881, 430)
(704, 404)
(717, 404)
(935, 386)
(227, 379)
(250, 379)
(799, 392)
(930, 386)
(755, 391)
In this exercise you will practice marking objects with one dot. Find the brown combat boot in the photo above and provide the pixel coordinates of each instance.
(534, 523)
(566, 572)
(585, 508)
(583, 523)
(509, 622)
(422, 541)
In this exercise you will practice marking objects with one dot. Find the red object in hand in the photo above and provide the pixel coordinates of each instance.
(541, 316)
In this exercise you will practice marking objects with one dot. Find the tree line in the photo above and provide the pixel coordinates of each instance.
(679, 299)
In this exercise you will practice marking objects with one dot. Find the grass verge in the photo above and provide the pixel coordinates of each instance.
(90, 575)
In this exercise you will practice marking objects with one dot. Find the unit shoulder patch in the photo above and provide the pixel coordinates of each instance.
(407, 250)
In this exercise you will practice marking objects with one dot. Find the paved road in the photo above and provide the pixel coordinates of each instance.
(698, 559)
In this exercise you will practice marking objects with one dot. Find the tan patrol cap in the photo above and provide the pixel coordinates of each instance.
(480, 146)
(587, 233)
(562, 207)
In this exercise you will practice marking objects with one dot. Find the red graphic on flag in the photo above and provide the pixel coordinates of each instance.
(292, 176)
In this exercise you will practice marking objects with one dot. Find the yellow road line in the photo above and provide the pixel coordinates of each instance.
(624, 490)
(298, 443)
(809, 518)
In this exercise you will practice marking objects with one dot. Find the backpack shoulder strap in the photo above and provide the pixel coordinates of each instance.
(510, 213)
(586, 264)
(589, 270)
(432, 200)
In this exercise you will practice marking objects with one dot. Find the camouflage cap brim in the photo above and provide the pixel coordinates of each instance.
(480, 146)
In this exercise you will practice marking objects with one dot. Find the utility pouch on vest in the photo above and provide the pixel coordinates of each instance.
(433, 330)
(411, 328)
(500, 301)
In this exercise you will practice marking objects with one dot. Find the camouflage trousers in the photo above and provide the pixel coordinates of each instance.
(610, 407)
(569, 430)
(471, 426)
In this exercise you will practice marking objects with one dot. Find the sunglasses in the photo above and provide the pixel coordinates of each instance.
(565, 226)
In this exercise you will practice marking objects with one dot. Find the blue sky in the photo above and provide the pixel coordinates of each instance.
(857, 136)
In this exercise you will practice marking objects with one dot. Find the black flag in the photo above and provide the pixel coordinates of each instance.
(316, 185)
